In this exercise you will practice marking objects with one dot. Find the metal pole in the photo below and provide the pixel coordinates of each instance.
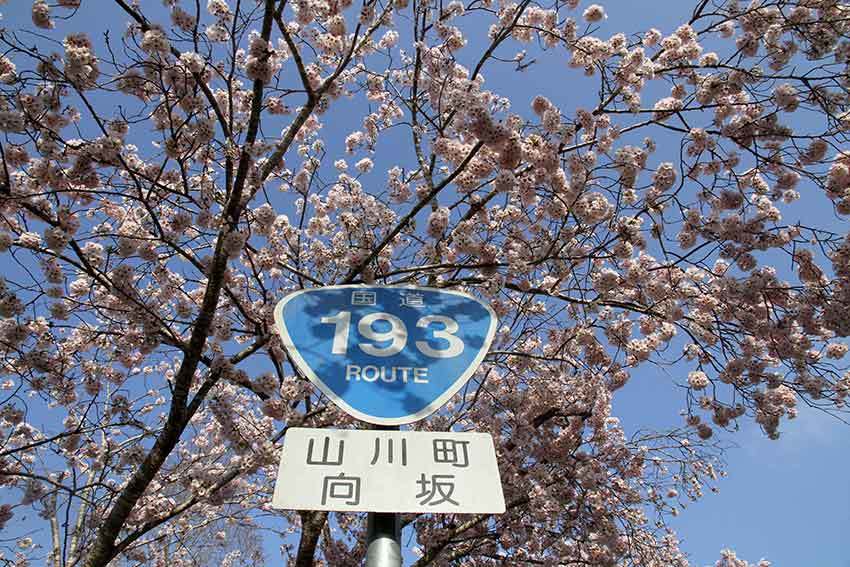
(383, 540)
(383, 533)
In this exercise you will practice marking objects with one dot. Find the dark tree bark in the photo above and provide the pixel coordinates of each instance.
(312, 524)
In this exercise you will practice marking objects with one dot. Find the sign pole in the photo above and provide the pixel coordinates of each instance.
(383, 532)
(383, 538)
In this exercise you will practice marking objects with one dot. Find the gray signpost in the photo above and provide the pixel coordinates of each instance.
(388, 356)
(383, 534)
(383, 540)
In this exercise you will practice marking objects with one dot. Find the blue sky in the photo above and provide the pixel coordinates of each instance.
(787, 500)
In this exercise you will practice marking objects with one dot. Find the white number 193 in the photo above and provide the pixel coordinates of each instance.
(396, 335)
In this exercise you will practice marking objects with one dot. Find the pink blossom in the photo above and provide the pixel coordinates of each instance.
(594, 13)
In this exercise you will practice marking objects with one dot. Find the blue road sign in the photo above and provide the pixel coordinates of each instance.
(386, 355)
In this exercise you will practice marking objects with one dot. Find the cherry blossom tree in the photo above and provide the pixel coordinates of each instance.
(165, 183)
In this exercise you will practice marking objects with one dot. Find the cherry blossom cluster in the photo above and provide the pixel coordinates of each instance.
(160, 194)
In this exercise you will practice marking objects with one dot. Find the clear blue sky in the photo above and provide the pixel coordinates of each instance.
(788, 501)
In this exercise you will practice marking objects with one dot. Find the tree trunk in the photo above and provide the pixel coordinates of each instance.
(312, 524)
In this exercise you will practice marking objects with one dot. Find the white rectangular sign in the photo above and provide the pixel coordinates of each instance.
(388, 471)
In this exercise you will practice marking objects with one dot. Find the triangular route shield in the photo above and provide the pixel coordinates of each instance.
(386, 355)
